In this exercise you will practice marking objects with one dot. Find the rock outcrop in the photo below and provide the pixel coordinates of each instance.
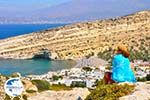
(81, 39)
(62, 95)
(30, 88)
(142, 92)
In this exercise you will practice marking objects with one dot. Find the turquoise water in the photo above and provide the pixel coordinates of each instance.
(27, 67)
(10, 30)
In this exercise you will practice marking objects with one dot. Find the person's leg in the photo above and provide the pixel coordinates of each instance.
(107, 78)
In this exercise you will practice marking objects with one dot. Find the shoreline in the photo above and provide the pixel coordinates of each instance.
(77, 63)
(37, 66)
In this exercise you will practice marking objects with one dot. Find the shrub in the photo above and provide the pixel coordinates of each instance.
(55, 77)
(142, 54)
(78, 84)
(87, 69)
(25, 97)
(7, 97)
(148, 77)
(106, 55)
(16, 98)
(42, 85)
(141, 79)
(109, 91)
(58, 87)
(30, 91)
(89, 55)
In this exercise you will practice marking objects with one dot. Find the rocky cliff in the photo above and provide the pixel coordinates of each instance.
(81, 39)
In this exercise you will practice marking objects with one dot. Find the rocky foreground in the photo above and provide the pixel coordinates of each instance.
(62, 95)
(81, 39)
(142, 92)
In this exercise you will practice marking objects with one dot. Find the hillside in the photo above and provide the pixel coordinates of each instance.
(82, 39)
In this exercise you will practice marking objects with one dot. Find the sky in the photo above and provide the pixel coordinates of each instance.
(28, 4)
(70, 9)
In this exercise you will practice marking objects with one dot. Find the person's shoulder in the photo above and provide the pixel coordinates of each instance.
(117, 56)
(127, 59)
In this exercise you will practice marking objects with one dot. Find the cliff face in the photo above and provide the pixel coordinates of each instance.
(82, 39)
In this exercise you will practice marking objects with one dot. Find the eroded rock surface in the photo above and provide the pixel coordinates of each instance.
(62, 95)
(142, 92)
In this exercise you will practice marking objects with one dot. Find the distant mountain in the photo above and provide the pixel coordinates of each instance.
(83, 10)
(80, 10)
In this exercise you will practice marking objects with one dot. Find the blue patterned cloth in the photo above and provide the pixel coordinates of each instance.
(121, 71)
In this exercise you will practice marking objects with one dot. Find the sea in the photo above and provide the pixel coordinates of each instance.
(10, 30)
(32, 66)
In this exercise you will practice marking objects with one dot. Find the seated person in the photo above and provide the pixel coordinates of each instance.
(121, 69)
